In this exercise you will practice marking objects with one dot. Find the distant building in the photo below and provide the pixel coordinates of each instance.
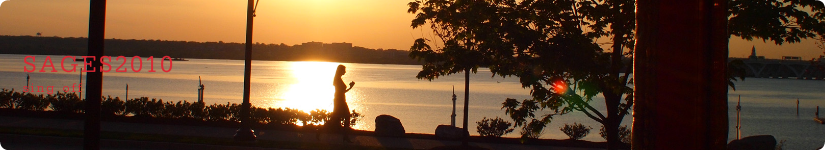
(791, 58)
(753, 53)
(343, 45)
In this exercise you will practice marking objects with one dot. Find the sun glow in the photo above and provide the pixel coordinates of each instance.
(312, 87)
(560, 87)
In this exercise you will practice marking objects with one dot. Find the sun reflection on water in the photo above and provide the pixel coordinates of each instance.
(309, 87)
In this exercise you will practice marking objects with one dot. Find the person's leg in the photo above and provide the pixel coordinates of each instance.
(346, 128)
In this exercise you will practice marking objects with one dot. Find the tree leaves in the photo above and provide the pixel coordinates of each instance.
(786, 21)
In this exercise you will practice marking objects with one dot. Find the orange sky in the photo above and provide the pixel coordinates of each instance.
(367, 23)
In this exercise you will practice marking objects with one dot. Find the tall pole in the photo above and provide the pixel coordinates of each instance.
(245, 133)
(691, 36)
(80, 80)
(97, 24)
(738, 119)
(127, 92)
(452, 117)
(27, 85)
(466, 105)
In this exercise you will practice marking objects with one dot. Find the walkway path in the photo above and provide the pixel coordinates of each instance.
(219, 132)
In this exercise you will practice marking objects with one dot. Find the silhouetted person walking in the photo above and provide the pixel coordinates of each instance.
(340, 111)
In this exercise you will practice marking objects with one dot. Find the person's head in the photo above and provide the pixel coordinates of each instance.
(341, 70)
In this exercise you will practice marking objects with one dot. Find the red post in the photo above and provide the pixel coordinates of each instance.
(681, 87)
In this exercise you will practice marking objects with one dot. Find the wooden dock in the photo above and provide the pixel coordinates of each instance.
(819, 120)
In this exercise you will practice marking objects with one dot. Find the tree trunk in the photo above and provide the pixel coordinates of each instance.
(464, 142)
(611, 123)
(680, 64)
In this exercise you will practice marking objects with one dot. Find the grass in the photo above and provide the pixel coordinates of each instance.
(183, 139)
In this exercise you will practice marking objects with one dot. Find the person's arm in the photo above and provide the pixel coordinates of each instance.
(351, 84)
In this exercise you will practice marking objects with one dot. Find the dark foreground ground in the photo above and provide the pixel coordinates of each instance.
(37, 132)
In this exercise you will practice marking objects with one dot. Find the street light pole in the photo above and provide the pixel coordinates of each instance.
(94, 84)
(452, 117)
(245, 133)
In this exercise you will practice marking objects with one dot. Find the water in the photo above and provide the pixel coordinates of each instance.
(421, 105)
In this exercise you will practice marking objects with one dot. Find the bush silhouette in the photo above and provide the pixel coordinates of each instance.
(493, 127)
(156, 108)
(576, 131)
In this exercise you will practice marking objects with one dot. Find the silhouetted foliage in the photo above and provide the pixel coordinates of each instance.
(736, 69)
(29, 101)
(493, 127)
(112, 106)
(532, 130)
(551, 46)
(354, 117)
(65, 102)
(318, 116)
(6, 98)
(780, 21)
(576, 131)
(624, 134)
(145, 108)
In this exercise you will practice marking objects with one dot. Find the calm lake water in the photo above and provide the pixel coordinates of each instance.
(768, 104)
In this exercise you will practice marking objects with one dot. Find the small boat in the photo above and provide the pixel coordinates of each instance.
(819, 120)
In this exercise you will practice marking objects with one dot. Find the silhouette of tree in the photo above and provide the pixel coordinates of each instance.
(780, 21)
(551, 46)
(457, 28)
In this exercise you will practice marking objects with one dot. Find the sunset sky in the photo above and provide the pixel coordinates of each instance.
(366, 23)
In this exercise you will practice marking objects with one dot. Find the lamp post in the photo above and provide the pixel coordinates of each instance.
(200, 90)
(245, 133)
(80, 83)
(452, 117)
(94, 80)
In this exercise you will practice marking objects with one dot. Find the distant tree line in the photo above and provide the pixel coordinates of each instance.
(311, 51)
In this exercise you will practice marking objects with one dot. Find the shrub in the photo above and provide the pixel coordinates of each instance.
(493, 127)
(302, 116)
(624, 134)
(354, 117)
(217, 112)
(112, 107)
(276, 116)
(155, 108)
(532, 130)
(259, 115)
(65, 102)
(143, 107)
(576, 131)
(198, 110)
(138, 107)
(234, 112)
(318, 116)
(32, 102)
(6, 98)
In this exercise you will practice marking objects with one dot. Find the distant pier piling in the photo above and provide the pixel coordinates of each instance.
(797, 106)
(738, 120)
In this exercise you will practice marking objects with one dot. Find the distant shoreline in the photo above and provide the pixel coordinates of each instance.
(310, 51)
